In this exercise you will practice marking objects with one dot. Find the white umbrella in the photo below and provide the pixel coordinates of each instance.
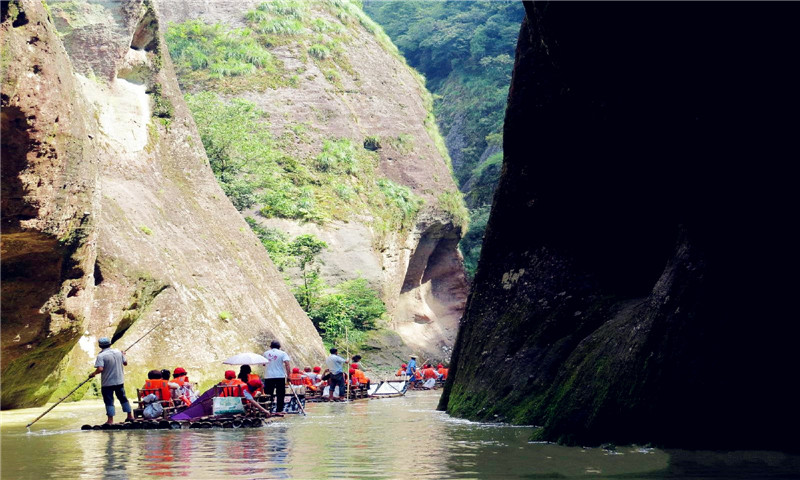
(248, 358)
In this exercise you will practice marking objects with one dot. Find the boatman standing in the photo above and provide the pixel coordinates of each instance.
(277, 373)
(109, 365)
(334, 363)
(412, 366)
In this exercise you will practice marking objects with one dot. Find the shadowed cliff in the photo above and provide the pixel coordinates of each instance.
(635, 280)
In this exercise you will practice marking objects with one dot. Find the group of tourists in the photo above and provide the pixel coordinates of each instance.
(165, 389)
(424, 377)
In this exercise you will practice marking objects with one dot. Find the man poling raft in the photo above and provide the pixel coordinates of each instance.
(99, 368)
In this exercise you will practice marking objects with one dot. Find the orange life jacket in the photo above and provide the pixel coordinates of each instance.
(428, 373)
(296, 379)
(360, 377)
(233, 388)
(162, 387)
(418, 375)
(443, 373)
(400, 372)
(182, 380)
(252, 376)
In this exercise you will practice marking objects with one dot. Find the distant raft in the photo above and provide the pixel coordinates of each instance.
(384, 389)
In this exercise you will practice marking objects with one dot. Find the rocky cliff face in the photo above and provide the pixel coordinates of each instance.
(112, 220)
(634, 281)
(363, 91)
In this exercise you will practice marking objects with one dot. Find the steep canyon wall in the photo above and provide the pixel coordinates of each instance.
(113, 222)
(635, 283)
(366, 91)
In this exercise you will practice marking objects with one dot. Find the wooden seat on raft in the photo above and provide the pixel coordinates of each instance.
(168, 405)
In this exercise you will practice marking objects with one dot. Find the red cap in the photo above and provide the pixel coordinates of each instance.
(352, 371)
(255, 384)
(354, 366)
(229, 374)
(178, 371)
(404, 365)
(317, 369)
(440, 366)
(295, 370)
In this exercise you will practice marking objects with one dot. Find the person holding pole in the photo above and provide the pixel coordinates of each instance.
(277, 374)
(109, 364)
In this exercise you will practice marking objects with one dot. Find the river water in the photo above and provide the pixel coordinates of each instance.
(399, 438)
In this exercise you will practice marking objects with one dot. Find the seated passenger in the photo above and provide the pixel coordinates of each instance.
(296, 378)
(442, 372)
(174, 388)
(245, 374)
(186, 392)
(231, 386)
(161, 386)
(359, 375)
(402, 370)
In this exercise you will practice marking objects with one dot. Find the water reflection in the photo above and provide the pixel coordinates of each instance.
(393, 438)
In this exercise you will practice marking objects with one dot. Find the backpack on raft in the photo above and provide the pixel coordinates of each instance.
(153, 408)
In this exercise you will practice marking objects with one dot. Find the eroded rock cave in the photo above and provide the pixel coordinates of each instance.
(635, 283)
(434, 288)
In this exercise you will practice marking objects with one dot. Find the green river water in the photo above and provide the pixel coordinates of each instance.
(399, 438)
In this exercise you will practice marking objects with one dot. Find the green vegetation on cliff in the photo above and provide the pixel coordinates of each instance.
(351, 305)
(260, 172)
(276, 156)
(466, 52)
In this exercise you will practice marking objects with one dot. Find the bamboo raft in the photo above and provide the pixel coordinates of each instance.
(238, 421)
(384, 389)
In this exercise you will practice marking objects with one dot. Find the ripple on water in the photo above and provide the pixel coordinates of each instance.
(387, 439)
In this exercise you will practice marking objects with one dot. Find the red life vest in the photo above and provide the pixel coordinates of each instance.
(233, 388)
(296, 379)
(162, 387)
(443, 373)
(428, 373)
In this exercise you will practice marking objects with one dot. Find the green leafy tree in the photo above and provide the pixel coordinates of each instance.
(305, 249)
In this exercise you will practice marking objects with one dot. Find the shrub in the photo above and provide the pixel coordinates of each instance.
(280, 26)
(453, 204)
(337, 156)
(372, 143)
(275, 241)
(401, 198)
(195, 45)
(353, 305)
(318, 51)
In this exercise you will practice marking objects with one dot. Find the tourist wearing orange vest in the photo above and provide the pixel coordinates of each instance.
(296, 378)
(429, 373)
(161, 386)
(231, 386)
(442, 372)
(402, 370)
(359, 375)
(235, 387)
(186, 391)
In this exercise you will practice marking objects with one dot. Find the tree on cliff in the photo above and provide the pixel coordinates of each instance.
(306, 249)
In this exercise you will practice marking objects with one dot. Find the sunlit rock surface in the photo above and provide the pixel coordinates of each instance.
(112, 220)
(417, 269)
(635, 284)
